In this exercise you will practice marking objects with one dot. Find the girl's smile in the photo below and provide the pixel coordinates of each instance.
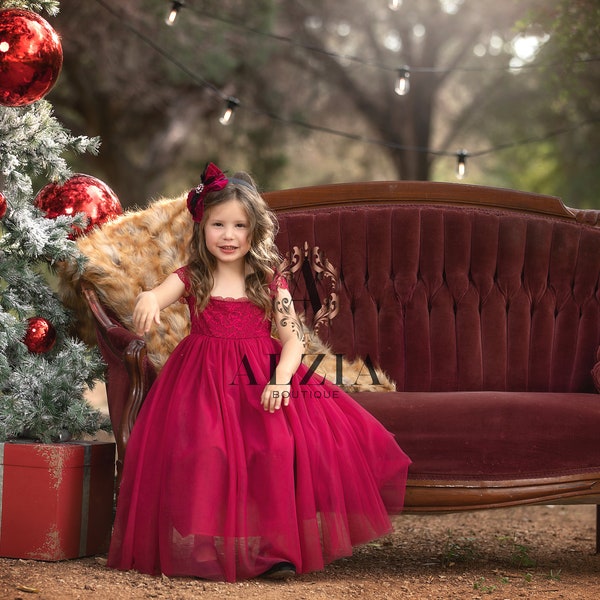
(228, 249)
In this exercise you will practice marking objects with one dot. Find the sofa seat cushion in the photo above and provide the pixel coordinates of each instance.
(491, 435)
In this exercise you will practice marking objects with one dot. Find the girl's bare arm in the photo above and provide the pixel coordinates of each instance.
(291, 335)
(149, 304)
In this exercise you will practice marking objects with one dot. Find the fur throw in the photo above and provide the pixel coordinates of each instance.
(136, 252)
(133, 253)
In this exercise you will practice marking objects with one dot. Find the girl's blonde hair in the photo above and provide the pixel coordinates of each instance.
(263, 256)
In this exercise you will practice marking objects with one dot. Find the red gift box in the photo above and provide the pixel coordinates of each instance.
(56, 500)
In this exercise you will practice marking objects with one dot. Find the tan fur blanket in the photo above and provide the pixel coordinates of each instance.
(136, 252)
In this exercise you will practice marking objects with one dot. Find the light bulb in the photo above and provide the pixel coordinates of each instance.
(402, 82)
(232, 104)
(173, 13)
(394, 4)
(461, 164)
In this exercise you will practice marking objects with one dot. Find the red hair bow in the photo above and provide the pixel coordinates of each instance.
(212, 180)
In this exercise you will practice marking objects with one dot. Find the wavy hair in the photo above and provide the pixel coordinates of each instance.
(263, 256)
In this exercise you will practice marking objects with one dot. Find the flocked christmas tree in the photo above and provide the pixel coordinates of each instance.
(44, 372)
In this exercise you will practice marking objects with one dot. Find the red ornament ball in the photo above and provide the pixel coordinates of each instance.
(31, 57)
(79, 194)
(40, 336)
(3, 205)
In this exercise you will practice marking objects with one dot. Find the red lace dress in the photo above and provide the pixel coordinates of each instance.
(216, 487)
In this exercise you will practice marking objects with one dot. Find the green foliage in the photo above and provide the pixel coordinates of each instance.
(534, 168)
(32, 144)
(49, 6)
(459, 550)
(557, 103)
(41, 400)
(520, 556)
(575, 26)
(481, 586)
(42, 395)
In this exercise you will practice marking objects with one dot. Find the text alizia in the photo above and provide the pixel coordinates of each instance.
(246, 376)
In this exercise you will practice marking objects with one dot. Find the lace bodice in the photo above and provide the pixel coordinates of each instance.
(229, 318)
(236, 318)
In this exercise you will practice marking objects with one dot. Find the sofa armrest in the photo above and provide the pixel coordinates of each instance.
(129, 372)
(135, 359)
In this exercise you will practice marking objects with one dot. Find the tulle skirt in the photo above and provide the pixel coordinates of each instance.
(216, 487)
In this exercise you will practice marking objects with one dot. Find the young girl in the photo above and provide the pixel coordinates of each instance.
(236, 469)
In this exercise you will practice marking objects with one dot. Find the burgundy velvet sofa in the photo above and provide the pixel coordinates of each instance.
(481, 304)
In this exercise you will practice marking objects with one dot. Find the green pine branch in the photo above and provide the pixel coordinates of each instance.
(42, 395)
(51, 7)
(32, 144)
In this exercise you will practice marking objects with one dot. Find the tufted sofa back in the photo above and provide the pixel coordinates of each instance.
(449, 298)
(446, 287)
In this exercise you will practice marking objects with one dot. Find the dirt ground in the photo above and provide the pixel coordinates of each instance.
(544, 552)
(537, 553)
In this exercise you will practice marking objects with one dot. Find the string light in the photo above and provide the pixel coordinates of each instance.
(402, 82)
(357, 59)
(232, 104)
(394, 5)
(173, 13)
(461, 163)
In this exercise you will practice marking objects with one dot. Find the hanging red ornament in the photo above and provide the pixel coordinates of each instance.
(79, 194)
(40, 335)
(3, 205)
(30, 57)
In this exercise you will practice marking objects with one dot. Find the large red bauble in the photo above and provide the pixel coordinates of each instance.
(3, 205)
(30, 57)
(79, 194)
(40, 335)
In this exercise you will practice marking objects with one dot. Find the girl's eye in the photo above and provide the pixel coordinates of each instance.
(237, 225)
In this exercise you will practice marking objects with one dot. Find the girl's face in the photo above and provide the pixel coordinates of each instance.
(227, 231)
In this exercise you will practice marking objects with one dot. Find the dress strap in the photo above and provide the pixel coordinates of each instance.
(279, 282)
(183, 274)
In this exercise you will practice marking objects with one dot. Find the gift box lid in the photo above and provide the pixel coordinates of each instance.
(63, 455)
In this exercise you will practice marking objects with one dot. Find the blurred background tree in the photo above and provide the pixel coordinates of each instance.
(553, 101)
(515, 83)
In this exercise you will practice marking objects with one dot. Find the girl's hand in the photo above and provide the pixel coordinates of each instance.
(275, 396)
(146, 312)
(149, 304)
